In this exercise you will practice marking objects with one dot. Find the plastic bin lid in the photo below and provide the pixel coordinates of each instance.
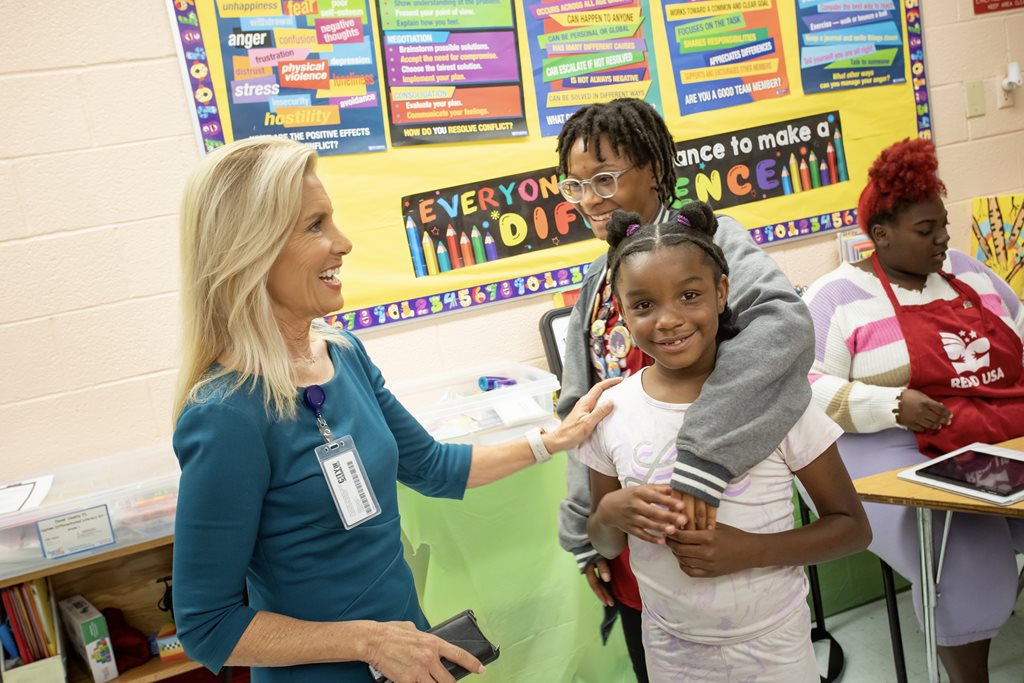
(83, 484)
(454, 393)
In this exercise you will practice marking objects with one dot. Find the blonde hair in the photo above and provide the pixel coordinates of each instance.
(239, 209)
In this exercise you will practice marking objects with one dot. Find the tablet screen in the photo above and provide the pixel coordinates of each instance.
(979, 470)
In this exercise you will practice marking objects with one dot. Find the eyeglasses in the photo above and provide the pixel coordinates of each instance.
(604, 184)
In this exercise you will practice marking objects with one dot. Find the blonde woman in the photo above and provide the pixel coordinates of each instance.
(263, 384)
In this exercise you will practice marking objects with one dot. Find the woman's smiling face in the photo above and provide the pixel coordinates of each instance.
(304, 281)
(637, 185)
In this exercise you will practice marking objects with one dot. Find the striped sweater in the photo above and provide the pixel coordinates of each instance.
(861, 364)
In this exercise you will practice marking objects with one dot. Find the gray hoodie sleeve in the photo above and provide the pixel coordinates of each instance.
(577, 378)
(759, 387)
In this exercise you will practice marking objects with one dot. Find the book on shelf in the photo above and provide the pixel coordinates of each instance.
(854, 246)
(27, 614)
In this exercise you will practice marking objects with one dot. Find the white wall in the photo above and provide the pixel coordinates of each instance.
(96, 145)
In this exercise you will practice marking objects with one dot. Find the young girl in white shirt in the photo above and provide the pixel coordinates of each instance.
(727, 603)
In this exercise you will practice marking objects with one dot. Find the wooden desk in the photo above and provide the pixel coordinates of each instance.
(886, 487)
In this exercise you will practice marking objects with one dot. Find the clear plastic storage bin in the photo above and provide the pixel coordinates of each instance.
(453, 408)
(137, 491)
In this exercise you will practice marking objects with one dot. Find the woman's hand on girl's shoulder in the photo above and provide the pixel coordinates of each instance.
(648, 512)
(714, 552)
(585, 415)
(404, 654)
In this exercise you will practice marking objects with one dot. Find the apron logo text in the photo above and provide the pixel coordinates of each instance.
(987, 377)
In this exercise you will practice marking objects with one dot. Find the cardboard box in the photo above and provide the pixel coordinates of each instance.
(87, 630)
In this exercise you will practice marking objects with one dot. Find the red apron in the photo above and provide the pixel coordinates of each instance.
(964, 356)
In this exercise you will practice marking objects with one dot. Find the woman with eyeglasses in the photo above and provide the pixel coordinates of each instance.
(620, 155)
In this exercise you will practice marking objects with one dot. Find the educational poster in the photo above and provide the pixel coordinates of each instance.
(757, 164)
(997, 236)
(305, 70)
(984, 6)
(452, 70)
(587, 51)
(460, 227)
(784, 158)
(849, 44)
(725, 53)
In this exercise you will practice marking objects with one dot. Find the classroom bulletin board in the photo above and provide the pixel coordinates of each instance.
(997, 237)
(435, 120)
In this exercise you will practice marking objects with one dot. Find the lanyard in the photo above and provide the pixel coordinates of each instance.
(314, 396)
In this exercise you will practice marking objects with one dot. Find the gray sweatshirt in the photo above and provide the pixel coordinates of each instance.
(755, 395)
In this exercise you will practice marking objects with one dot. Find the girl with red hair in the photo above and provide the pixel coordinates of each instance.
(918, 352)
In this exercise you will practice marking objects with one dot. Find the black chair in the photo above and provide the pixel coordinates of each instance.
(836, 657)
(553, 327)
(836, 660)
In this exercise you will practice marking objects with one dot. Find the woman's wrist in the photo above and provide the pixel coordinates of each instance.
(555, 441)
(542, 444)
(365, 637)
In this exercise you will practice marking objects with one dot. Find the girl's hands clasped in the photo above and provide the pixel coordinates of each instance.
(714, 552)
(648, 512)
(404, 654)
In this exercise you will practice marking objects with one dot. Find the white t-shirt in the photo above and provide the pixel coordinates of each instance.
(637, 444)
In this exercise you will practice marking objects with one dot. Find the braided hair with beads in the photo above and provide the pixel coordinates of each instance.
(695, 225)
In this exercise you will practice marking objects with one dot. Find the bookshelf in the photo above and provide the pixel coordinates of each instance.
(126, 578)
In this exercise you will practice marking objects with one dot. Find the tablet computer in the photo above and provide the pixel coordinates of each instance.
(978, 470)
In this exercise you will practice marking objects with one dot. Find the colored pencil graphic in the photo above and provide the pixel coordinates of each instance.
(830, 152)
(1016, 268)
(478, 245)
(1018, 225)
(794, 173)
(982, 242)
(787, 187)
(812, 162)
(840, 157)
(443, 263)
(453, 247)
(805, 175)
(996, 231)
(823, 172)
(418, 264)
(428, 254)
(490, 248)
(467, 251)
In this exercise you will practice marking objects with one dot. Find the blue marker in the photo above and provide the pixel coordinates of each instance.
(488, 382)
(418, 264)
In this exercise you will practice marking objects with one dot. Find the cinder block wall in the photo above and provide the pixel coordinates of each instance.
(97, 140)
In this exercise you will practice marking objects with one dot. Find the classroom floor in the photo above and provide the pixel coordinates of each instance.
(864, 634)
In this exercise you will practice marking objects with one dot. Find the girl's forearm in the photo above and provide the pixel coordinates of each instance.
(606, 539)
(830, 537)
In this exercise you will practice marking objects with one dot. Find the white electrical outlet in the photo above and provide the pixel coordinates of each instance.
(1004, 98)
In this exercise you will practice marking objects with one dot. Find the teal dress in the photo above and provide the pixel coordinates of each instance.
(254, 511)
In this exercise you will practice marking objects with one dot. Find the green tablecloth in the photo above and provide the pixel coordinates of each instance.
(497, 553)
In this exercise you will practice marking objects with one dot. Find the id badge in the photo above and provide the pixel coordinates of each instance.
(347, 481)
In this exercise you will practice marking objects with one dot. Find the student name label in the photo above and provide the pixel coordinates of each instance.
(75, 532)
